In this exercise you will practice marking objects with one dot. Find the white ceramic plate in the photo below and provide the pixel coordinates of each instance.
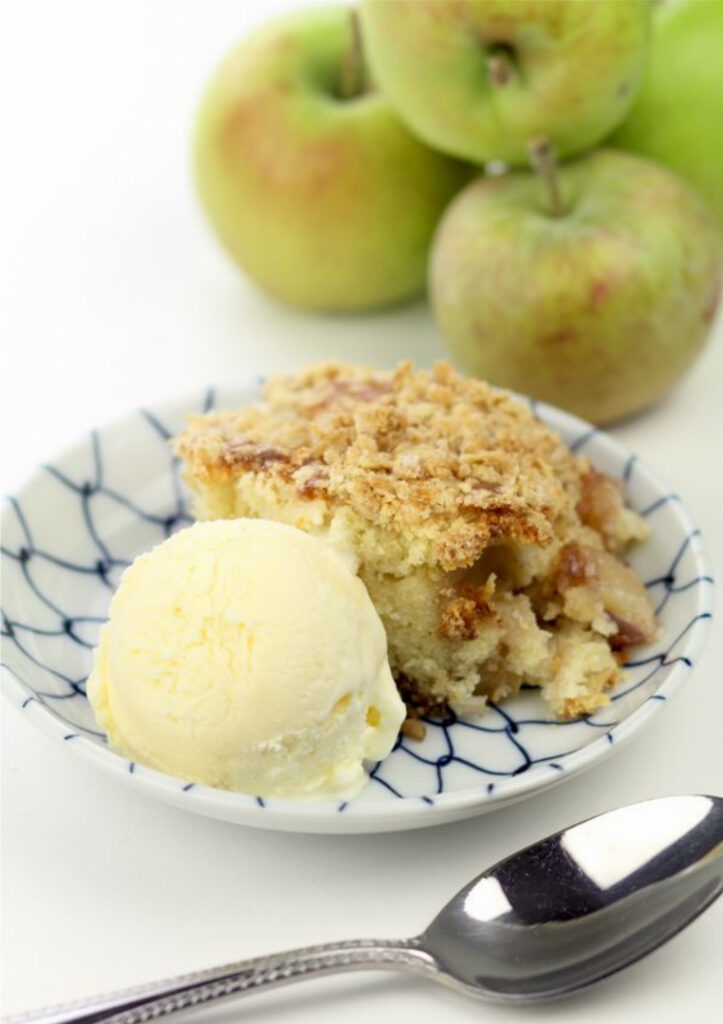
(81, 519)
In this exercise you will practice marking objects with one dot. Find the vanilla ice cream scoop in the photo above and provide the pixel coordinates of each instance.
(245, 654)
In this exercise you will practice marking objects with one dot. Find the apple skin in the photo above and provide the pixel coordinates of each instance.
(575, 68)
(677, 116)
(326, 203)
(600, 310)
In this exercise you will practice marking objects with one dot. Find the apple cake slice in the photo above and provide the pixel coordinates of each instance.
(490, 551)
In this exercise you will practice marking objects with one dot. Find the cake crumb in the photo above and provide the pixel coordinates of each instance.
(414, 729)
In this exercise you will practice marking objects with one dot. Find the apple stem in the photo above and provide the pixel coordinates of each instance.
(351, 75)
(499, 69)
(542, 158)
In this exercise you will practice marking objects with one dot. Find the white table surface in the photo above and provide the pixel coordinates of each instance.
(117, 295)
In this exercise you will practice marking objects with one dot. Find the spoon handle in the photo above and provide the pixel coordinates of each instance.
(159, 999)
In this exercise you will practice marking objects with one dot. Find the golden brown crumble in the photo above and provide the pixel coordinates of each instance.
(402, 449)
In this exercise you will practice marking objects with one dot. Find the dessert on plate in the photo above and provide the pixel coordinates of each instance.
(492, 553)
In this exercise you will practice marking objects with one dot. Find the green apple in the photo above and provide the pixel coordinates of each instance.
(593, 291)
(478, 78)
(311, 181)
(677, 117)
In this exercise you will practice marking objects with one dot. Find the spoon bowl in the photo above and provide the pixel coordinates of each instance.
(552, 918)
(582, 904)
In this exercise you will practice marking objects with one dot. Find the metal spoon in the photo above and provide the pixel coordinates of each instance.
(558, 915)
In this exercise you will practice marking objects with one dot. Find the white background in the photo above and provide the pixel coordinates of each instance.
(116, 295)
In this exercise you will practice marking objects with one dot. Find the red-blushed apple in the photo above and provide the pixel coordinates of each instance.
(478, 78)
(593, 288)
(310, 180)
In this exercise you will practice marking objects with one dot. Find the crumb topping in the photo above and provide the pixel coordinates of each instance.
(407, 450)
